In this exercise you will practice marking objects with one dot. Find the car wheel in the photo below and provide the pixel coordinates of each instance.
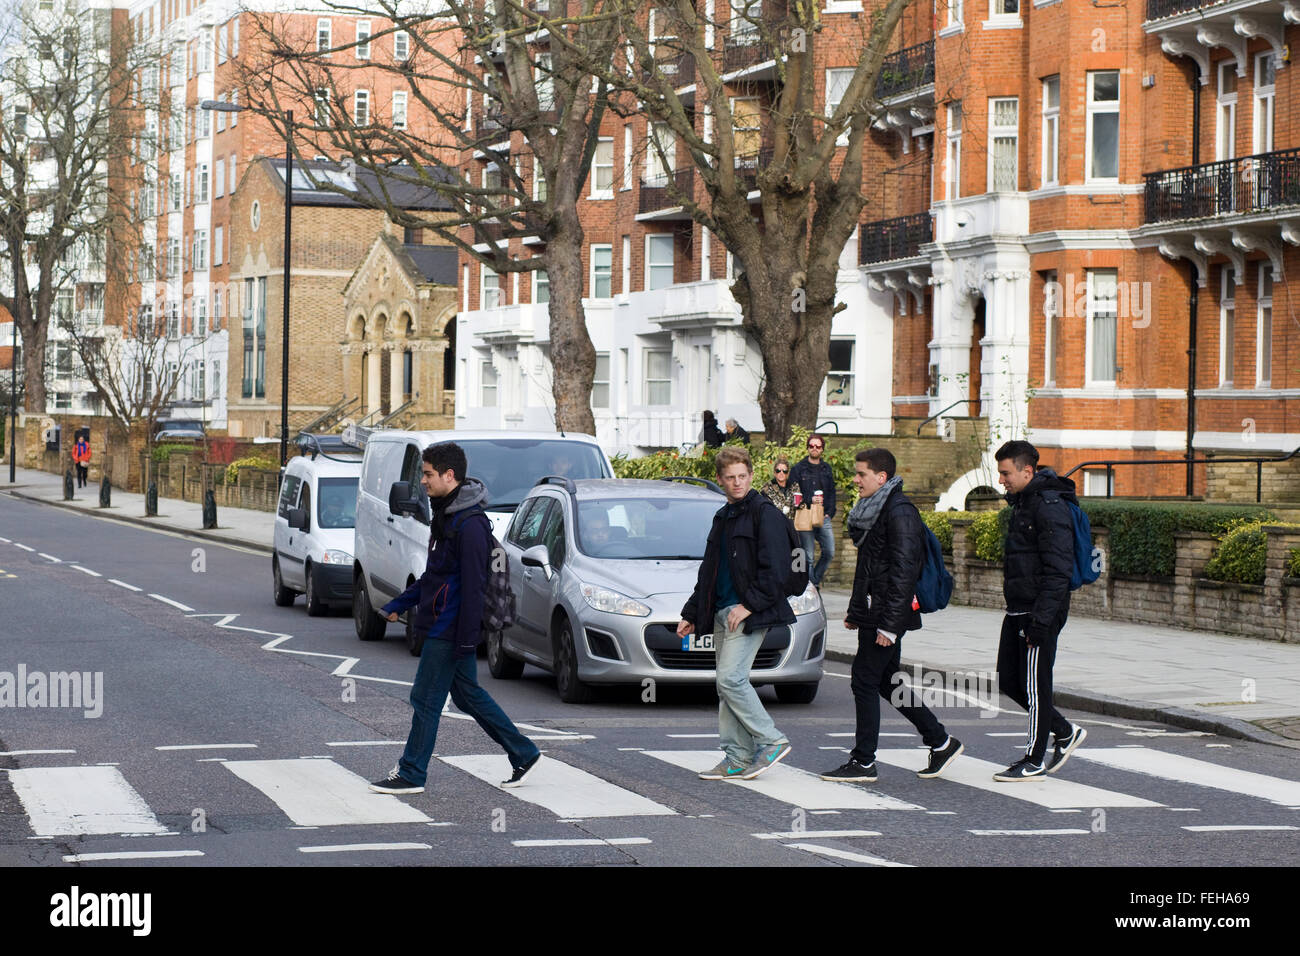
(796, 693)
(500, 664)
(414, 640)
(370, 626)
(283, 596)
(315, 606)
(572, 690)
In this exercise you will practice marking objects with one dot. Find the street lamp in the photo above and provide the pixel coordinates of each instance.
(222, 107)
(13, 401)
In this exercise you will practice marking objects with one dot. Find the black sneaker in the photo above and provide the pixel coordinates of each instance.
(1064, 748)
(939, 759)
(521, 772)
(853, 771)
(1022, 769)
(395, 783)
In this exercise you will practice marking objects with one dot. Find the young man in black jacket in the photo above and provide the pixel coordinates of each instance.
(448, 603)
(1038, 562)
(739, 594)
(887, 529)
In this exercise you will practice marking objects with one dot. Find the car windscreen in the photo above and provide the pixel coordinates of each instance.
(336, 502)
(645, 527)
(510, 467)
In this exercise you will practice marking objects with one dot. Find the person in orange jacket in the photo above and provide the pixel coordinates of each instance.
(81, 455)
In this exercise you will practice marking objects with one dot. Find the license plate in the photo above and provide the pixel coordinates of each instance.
(697, 642)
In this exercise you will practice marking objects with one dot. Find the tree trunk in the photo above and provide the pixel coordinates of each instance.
(573, 357)
(34, 345)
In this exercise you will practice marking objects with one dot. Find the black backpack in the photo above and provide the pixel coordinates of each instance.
(796, 582)
(498, 597)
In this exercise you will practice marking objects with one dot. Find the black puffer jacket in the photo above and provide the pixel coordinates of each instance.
(889, 562)
(759, 560)
(1039, 550)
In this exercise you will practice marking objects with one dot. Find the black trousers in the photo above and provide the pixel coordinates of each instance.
(873, 673)
(1025, 675)
(82, 470)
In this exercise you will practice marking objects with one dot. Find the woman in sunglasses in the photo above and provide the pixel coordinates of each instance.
(780, 489)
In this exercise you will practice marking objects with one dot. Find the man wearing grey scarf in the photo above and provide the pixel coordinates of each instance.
(890, 537)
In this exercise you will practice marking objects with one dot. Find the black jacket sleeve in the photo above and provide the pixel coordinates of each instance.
(772, 560)
(858, 614)
(473, 544)
(828, 496)
(904, 549)
(1055, 559)
(691, 609)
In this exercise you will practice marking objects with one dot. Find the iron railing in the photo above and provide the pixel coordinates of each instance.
(677, 66)
(487, 123)
(1257, 461)
(906, 70)
(1159, 9)
(1247, 184)
(898, 238)
(668, 192)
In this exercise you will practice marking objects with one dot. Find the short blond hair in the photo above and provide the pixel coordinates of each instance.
(733, 455)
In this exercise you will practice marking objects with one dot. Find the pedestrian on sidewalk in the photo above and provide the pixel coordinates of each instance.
(816, 483)
(81, 456)
(779, 489)
(734, 431)
(890, 537)
(739, 594)
(1038, 561)
(448, 602)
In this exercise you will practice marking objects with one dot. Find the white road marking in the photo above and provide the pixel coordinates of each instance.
(50, 557)
(322, 793)
(85, 570)
(1186, 809)
(843, 854)
(363, 847)
(816, 834)
(1050, 792)
(1234, 829)
(820, 812)
(23, 546)
(6, 540)
(559, 736)
(123, 584)
(790, 785)
(366, 743)
(72, 801)
(25, 753)
(693, 736)
(941, 813)
(1200, 772)
(1219, 745)
(176, 604)
(1014, 733)
(836, 674)
(615, 841)
(564, 790)
(1064, 811)
(130, 855)
(1028, 832)
(207, 747)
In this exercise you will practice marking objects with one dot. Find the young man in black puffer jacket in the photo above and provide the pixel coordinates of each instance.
(1038, 562)
(887, 529)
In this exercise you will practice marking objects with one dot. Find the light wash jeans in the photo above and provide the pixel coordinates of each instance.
(825, 536)
(743, 725)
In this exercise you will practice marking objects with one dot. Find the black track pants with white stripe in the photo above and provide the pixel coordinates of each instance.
(1025, 675)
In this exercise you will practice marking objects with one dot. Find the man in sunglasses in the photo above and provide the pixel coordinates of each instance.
(812, 477)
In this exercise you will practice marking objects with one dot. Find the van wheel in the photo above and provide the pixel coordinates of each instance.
(572, 690)
(315, 606)
(796, 693)
(282, 595)
(414, 641)
(370, 626)
(500, 664)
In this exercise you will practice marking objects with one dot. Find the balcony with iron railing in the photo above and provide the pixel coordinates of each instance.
(899, 238)
(1159, 9)
(1246, 185)
(748, 164)
(666, 192)
(488, 125)
(679, 67)
(907, 69)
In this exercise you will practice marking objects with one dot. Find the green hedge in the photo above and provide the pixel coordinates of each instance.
(239, 464)
(764, 456)
(1142, 533)
(989, 531)
(1293, 565)
(165, 452)
(1241, 556)
(940, 522)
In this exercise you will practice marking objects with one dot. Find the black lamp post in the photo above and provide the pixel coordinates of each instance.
(223, 107)
(13, 402)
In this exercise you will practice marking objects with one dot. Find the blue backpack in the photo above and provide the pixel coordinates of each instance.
(934, 586)
(1085, 568)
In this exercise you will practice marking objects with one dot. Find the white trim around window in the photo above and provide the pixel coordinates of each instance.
(1101, 349)
(1264, 327)
(1101, 154)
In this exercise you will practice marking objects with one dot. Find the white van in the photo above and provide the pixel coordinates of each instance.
(314, 524)
(392, 531)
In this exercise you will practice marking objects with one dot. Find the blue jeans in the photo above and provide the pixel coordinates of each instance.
(825, 536)
(743, 725)
(441, 671)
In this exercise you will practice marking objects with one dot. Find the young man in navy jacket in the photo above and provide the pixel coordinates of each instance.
(448, 599)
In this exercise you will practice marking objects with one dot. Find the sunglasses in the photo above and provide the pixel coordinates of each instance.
(815, 446)
(783, 471)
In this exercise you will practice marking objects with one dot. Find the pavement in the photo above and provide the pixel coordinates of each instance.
(1236, 686)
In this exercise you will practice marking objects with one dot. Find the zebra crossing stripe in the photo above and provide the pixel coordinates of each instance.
(77, 801)
(1176, 767)
(1051, 792)
(790, 784)
(842, 854)
(322, 793)
(566, 791)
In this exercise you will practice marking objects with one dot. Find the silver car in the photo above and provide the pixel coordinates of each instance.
(601, 568)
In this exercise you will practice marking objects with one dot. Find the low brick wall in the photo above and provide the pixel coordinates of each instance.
(184, 479)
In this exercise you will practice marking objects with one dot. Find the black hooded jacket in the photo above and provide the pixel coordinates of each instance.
(1039, 550)
(889, 563)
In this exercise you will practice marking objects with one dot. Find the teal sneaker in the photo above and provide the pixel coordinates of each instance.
(726, 770)
(765, 758)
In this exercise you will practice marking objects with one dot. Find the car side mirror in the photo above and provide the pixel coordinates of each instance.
(537, 557)
(298, 518)
(401, 500)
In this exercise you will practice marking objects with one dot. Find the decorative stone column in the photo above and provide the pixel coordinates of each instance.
(374, 379)
(352, 357)
(1281, 540)
(1192, 552)
(395, 352)
(954, 317)
(961, 559)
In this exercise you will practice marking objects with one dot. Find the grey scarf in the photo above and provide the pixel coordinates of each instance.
(864, 514)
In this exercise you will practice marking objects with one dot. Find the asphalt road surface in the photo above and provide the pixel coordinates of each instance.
(215, 728)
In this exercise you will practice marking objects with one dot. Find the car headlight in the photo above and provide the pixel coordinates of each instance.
(603, 599)
(336, 557)
(807, 602)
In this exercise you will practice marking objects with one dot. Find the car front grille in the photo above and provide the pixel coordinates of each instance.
(705, 661)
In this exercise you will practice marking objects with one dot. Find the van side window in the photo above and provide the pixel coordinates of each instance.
(288, 494)
(305, 503)
(412, 467)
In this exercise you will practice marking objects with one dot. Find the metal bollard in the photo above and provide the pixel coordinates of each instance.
(105, 492)
(151, 500)
(209, 509)
(67, 486)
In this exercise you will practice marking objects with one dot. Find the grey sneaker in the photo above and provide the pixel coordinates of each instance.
(1064, 748)
(765, 758)
(725, 770)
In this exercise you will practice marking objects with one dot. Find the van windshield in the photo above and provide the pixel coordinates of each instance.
(336, 502)
(510, 467)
